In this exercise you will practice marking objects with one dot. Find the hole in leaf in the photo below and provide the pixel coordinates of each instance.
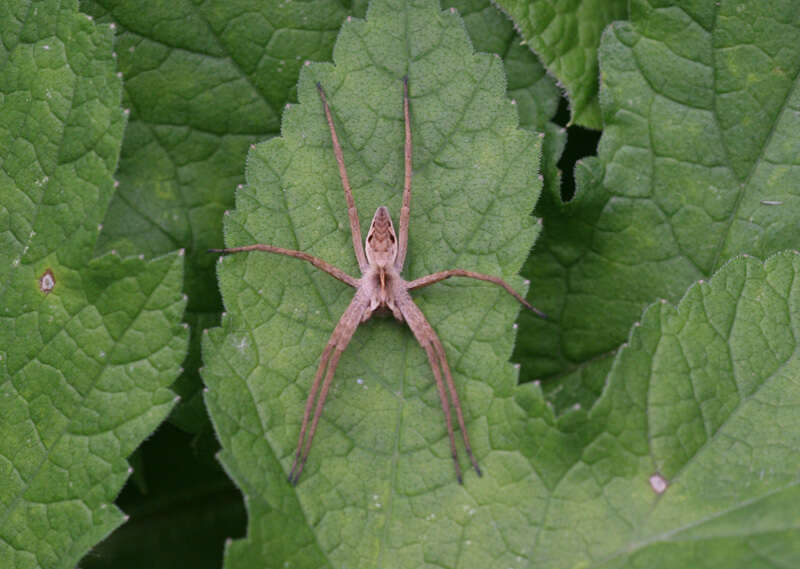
(581, 142)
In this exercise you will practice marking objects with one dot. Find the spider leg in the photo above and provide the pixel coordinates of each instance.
(323, 363)
(319, 263)
(405, 209)
(440, 276)
(352, 212)
(427, 338)
(439, 348)
(330, 359)
(445, 407)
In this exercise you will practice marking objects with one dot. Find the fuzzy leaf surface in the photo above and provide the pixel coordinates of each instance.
(698, 163)
(566, 36)
(88, 346)
(380, 465)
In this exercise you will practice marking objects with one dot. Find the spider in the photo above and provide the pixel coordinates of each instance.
(380, 290)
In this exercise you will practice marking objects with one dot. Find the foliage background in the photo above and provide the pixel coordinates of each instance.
(698, 162)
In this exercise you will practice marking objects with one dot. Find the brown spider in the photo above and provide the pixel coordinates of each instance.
(381, 289)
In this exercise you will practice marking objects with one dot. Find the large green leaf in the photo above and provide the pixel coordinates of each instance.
(382, 445)
(698, 163)
(88, 347)
(566, 35)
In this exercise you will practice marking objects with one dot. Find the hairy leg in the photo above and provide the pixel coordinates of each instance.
(405, 209)
(440, 276)
(319, 263)
(352, 212)
(430, 342)
(340, 337)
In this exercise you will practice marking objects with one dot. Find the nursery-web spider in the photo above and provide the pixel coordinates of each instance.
(381, 289)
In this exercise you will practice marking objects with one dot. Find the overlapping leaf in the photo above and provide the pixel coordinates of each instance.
(88, 347)
(698, 163)
(566, 36)
(690, 456)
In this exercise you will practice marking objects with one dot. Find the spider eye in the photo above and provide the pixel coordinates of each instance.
(391, 238)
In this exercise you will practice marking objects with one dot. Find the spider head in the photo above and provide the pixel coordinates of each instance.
(381, 245)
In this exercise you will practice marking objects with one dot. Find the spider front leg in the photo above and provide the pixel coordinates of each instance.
(405, 209)
(335, 272)
(352, 212)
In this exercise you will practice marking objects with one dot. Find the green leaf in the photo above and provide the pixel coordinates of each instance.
(697, 164)
(88, 347)
(529, 86)
(566, 36)
(689, 458)
(381, 451)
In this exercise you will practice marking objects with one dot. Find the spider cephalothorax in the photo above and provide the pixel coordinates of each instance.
(382, 277)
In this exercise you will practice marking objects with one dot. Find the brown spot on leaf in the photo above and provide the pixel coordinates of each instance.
(47, 281)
